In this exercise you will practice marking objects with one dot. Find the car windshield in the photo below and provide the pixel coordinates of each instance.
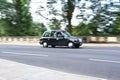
(66, 34)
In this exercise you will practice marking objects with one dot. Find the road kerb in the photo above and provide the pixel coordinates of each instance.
(84, 44)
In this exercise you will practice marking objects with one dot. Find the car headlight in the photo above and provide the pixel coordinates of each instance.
(80, 40)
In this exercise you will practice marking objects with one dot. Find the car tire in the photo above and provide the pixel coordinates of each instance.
(70, 45)
(77, 46)
(53, 46)
(45, 44)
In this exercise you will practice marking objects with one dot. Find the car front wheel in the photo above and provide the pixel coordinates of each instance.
(70, 44)
(45, 44)
(77, 46)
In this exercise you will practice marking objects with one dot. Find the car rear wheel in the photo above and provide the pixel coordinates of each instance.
(70, 44)
(45, 44)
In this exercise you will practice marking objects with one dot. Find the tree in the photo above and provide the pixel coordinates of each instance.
(52, 16)
(23, 21)
(38, 29)
(116, 24)
(17, 15)
(69, 13)
(81, 30)
(103, 18)
(4, 7)
(64, 13)
(6, 15)
(99, 19)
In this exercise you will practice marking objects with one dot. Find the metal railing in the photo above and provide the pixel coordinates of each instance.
(35, 39)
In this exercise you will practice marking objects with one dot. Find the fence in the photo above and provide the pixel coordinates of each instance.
(35, 39)
(103, 39)
(29, 39)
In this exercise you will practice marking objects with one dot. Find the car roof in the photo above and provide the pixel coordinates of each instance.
(54, 30)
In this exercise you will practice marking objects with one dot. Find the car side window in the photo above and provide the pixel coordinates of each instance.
(52, 34)
(47, 34)
(58, 34)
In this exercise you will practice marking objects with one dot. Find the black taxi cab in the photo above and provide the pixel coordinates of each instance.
(55, 38)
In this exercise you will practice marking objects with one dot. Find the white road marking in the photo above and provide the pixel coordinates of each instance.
(27, 54)
(108, 61)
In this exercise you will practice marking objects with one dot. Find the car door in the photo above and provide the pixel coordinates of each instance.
(46, 37)
(52, 39)
(61, 41)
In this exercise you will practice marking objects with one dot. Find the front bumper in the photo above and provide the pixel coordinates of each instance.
(41, 42)
(77, 43)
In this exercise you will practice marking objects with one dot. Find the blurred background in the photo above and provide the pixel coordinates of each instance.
(84, 18)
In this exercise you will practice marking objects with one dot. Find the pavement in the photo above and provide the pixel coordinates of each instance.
(10, 70)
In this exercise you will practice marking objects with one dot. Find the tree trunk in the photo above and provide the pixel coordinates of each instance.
(69, 26)
(70, 10)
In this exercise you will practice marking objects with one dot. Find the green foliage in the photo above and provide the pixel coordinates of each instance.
(55, 24)
(16, 20)
(116, 24)
(17, 16)
(23, 22)
(53, 13)
(81, 30)
(5, 17)
(38, 29)
(65, 14)
(95, 26)
(3, 28)
(102, 23)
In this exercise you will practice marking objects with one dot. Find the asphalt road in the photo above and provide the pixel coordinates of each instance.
(103, 62)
